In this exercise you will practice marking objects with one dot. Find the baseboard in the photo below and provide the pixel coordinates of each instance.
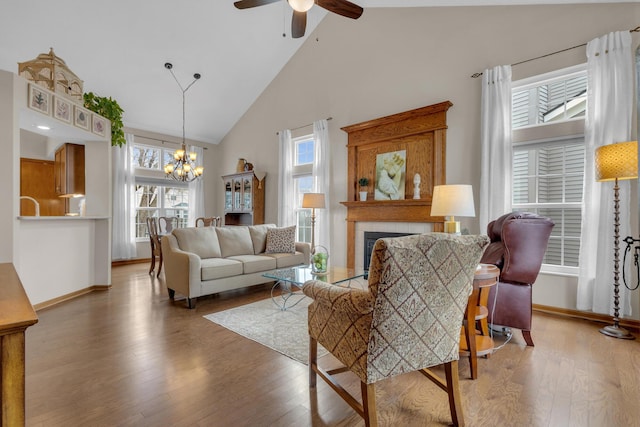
(587, 315)
(70, 296)
(130, 261)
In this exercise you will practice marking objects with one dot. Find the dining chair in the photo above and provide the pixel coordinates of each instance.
(154, 240)
(166, 224)
(408, 319)
(214, 221)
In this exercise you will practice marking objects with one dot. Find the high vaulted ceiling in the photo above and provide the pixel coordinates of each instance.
(119, 48)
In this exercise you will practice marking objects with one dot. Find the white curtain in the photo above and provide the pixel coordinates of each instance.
(495, 140)
(196, 190)
(286, 208)
(609, 114)
(321, 178)
(123, 245)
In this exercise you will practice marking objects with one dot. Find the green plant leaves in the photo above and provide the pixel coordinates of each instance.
(108, 108)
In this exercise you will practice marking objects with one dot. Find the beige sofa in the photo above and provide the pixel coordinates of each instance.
(206, 260)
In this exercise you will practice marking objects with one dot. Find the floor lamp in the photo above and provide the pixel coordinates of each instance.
(313, 201)
(615, 162)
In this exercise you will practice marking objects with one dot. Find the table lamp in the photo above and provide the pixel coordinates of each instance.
(616, 162)
(313, 201)
(452, 201)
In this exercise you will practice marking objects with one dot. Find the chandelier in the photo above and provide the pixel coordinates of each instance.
(183, 167)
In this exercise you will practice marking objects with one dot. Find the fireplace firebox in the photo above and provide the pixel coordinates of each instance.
(370, 238)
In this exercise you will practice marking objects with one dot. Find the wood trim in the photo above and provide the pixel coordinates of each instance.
(122, 262)
(422, 133)
(70, 296)
(586, 315)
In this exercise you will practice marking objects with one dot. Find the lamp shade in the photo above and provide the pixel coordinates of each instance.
(619, 160)
(313, 200)
(452, 200)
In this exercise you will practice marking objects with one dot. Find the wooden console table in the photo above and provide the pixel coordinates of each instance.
(16, 315)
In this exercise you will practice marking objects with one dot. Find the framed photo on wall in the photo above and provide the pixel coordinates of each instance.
(81, 118)
(62, 109)
(39, 99)
(391, 171)
(98, 125)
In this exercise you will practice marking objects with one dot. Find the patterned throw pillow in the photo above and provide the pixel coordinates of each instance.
(281, 240)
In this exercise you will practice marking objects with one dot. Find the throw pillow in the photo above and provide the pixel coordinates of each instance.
(281, 240)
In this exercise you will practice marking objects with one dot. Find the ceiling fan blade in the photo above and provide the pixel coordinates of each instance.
(246, 4)
(341, 7)
(298, 24)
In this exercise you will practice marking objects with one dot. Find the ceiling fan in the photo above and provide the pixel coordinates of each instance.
(300, 8)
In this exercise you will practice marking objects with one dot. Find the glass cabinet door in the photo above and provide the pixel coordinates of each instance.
(247, 194)
(237, 194)
(228, 196)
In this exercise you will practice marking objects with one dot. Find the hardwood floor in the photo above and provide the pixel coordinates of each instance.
(131, 357)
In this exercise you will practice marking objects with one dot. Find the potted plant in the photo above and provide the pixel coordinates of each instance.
(363, 182)
(109, 109)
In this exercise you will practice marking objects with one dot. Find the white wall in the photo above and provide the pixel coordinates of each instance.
(393, 60)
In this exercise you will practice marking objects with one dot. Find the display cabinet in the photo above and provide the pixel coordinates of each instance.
(243, 199)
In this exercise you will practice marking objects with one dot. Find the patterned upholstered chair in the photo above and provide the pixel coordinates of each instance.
(407, 320)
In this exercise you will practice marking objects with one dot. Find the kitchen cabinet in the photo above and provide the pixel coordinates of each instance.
(69, 170)
(37, 180)
(243, 199)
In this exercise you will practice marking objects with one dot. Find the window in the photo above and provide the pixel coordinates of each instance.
(554, 100)
(155, 196)
(548, 158)
(304, 156)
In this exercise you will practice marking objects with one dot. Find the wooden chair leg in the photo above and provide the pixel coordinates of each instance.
(453, 390)
(369, 405)
(469, 326)
(153, 262)
(159, 265)
(313, 361)
(527, 337)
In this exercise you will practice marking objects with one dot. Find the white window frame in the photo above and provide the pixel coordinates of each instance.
(543, 133)
(302, 170)
(156, 177)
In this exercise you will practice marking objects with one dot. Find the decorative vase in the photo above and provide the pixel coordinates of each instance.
(319, 260)
(363, 196)
(240, 165)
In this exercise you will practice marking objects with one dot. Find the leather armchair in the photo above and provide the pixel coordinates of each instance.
(518, 243)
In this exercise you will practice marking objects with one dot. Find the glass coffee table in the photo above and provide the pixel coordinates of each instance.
(290, 281)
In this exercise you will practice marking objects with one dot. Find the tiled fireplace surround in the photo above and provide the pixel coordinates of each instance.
(384, 227)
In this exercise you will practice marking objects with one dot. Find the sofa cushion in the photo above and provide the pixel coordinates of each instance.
(234, 240)
(281, 240)
(288, 260)
(218, 268)
(202, 241)
(259, 237)
(255, 263)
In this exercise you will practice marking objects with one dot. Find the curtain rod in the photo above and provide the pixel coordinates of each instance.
(165, 141)
(304, 126)
(476, 75)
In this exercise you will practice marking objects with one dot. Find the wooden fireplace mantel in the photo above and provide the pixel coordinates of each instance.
(422, 134)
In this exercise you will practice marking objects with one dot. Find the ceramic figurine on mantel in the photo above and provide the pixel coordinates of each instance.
(416, 186)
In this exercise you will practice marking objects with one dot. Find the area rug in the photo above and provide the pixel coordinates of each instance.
(283, 331)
